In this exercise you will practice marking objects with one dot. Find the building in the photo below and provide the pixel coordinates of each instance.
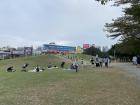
(93, 45)
(85, 46)
(22, 51)
(7, 49)
(28, 50)
(105, 49)
(99, 47)
(53, 48)
(4, 55)
(79, 49)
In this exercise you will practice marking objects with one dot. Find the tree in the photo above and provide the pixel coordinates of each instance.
(94, 51)
(118, 2)
(129, 47)
(126, 27)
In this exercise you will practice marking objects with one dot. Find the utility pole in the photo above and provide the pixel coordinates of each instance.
(115, 55)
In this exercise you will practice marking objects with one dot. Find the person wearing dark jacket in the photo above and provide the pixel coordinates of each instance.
(62, 64)
(10, 69)
(24, 67)
(138, 61)
(37, 68)
(92, 61)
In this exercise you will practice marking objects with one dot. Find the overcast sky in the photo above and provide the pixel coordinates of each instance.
(66, 22)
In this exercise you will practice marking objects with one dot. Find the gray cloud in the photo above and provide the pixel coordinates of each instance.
(71, 22)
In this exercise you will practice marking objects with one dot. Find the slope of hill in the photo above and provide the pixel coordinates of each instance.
(89, 86)
(33, 61)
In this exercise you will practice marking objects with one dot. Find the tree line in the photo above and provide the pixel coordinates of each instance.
(126, 28)
(95, 51)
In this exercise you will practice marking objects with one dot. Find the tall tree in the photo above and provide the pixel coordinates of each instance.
(94, 51)
(118, 2)
(126, 27)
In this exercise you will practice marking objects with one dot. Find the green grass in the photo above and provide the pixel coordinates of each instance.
(90, 86)
(79, 56)
(33, 61)
(86, 58)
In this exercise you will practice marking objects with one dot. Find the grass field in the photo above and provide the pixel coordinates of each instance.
(33, 61)
(90, 86)
(79, 56)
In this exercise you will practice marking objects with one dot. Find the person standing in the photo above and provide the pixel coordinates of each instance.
(134, 60)
(76, 65)
(97, 61)
(82, 61)
(92, 61)
(106, 61)
(101, 62)
(62, 64)
(138, 61)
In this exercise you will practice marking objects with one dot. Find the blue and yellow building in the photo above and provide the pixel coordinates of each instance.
(58, 48)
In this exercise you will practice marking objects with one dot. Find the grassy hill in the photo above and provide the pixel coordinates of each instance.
(77, 56)
(33, 61)
(90, 86)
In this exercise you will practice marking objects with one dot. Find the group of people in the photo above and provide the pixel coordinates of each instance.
(100, 61)
(37, 69)
(24, 68)
(136, 60)
(73, 66)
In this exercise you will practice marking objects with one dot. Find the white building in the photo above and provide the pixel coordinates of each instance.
(4, 55)
(105, 49)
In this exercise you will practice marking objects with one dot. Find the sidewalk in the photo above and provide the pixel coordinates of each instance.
(131, 69)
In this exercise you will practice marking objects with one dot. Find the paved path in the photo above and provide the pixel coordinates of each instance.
(128, 68)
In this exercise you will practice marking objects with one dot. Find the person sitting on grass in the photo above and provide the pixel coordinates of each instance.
(42, 69)
(55, 66)
(10, 69)
(37, 68)
(49, 65)
(71, 66)
(24, 67)
(62, 64)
